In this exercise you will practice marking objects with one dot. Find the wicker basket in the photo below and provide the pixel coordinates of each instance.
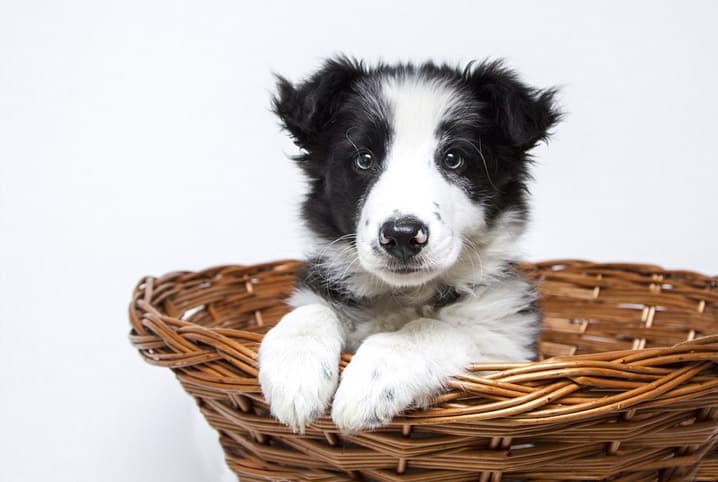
(627, 388)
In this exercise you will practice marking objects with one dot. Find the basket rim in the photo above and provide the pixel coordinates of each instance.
(638, 375)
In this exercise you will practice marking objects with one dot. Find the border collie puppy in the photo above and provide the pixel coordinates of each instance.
(417, 195)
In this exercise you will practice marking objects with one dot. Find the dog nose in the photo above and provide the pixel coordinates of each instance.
(403, 237)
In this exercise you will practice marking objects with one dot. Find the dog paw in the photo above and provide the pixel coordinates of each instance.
(298, 365)
(382, 380)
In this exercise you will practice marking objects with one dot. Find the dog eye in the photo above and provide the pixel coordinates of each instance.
(364, 160)
(453, 160)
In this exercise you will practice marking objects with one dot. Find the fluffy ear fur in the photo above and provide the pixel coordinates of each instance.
(523, 115)
(307, 108)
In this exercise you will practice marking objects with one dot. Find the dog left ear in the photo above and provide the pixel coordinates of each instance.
(307, 108)
(523, 116)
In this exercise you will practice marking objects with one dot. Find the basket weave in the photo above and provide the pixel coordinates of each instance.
(627, 388)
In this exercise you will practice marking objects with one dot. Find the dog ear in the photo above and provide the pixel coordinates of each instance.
(522, 115)
(306, 109)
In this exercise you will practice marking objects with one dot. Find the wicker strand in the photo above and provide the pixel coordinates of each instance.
(626, 388)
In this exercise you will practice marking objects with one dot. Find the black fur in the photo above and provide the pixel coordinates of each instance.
(314, 277)
(328, 117)
(334, 112)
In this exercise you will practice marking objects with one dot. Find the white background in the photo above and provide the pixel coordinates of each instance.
(135, 138)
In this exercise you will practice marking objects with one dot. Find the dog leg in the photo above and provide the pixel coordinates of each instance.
(390, 371)
(299, 364)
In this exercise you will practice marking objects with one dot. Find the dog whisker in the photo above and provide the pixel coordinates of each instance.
(473, 255)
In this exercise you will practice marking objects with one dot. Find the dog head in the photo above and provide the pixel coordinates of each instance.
(413, 165)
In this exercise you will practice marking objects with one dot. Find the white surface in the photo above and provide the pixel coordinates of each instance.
(135, 138)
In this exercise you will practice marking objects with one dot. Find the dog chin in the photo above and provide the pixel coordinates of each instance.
(400, 276)
(405, 279)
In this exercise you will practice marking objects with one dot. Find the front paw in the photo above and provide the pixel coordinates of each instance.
(298, 365)
(382, 380)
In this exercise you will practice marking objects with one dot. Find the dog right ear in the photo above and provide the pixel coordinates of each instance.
(306, 109)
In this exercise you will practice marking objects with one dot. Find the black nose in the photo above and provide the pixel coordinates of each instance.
(403, 237)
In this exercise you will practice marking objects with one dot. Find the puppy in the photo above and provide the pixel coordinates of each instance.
(417, 196)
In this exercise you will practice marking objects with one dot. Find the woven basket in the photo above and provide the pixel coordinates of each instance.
(627, 388)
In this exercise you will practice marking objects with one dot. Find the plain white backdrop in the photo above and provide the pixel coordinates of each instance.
(135, 138)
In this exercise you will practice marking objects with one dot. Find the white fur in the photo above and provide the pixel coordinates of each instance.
(299, 361)
(393, 370)
(411, 184)
(402, 345)
(405, 348)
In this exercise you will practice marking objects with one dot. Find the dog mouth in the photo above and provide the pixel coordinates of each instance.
(406, 268)
(404, 274)
(410, 269)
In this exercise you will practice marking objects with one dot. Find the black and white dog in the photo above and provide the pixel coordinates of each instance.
(417, 197)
